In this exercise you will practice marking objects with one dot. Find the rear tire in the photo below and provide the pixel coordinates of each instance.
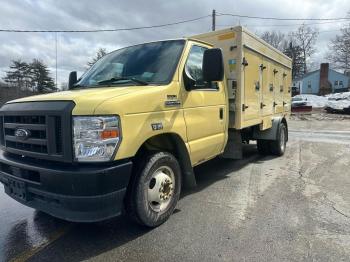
(278, 147)
(155, 190)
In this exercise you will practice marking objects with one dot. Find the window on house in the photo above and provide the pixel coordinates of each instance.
(340, 83)
(335, 83)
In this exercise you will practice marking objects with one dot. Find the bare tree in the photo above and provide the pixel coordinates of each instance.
(275, 38)
(101, 52)
(340, 50)
(305, 37)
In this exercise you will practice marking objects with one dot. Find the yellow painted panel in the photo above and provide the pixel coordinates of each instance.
(278, 88)
(204, 127)
(267, 87)
(251, 80)
(226, 36)
(137, 128)
(205, 148)
(287, 91)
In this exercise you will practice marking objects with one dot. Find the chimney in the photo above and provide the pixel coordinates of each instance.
(325, 86)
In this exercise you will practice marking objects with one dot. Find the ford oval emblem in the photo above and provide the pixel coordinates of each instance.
(22, 134)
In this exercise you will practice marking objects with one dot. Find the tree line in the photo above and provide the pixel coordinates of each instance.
(33, 76)
(300, 45)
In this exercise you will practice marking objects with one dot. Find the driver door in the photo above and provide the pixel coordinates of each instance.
(204, 110)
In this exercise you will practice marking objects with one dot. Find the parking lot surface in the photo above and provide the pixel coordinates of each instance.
(292, 208)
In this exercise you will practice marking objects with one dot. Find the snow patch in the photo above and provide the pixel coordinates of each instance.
(338, 101)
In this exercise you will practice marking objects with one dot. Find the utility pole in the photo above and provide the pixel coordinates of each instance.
(56, 57)
(213, 20)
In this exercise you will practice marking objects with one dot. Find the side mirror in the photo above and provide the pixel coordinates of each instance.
(213, 66)
(72, 79)
(190, 83)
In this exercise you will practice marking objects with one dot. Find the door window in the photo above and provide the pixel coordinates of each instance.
(193, 67)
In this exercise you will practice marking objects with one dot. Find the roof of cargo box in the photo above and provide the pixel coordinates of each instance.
(238, 29)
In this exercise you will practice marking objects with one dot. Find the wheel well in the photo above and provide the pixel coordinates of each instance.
(173, 144)
(271, 133)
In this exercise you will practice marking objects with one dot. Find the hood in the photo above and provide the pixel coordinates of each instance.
(86, 100)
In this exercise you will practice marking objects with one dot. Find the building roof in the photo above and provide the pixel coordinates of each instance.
(306, 75)
(310, 73)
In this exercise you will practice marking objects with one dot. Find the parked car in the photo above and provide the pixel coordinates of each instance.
(300, 104)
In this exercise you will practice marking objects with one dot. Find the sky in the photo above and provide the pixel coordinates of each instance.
(75, 49)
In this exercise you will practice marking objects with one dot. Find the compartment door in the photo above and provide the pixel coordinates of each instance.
(287, 90)
(252, 85)
(267, 88)
(278, 88)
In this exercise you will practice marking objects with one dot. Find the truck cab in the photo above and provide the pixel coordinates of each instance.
(124, 138)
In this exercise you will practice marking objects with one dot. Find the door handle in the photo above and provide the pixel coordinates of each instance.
(221, 113)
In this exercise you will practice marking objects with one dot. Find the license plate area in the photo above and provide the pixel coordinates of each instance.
(16, 189)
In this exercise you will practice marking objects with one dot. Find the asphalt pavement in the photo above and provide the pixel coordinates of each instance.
(292, 208)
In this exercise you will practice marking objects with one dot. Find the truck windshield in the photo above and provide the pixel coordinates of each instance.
(150, 63)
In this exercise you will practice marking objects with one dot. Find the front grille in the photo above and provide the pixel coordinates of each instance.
(36, 126)
(35, 129)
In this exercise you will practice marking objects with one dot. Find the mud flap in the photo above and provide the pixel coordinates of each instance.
(233, 149)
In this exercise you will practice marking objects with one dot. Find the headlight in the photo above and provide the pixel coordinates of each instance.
(95, 137)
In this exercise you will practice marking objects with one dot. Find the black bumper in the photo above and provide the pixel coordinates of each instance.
(79, 193)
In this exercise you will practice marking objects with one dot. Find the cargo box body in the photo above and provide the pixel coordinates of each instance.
(258, 77)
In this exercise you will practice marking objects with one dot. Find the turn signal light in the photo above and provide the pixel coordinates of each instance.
(109, 134)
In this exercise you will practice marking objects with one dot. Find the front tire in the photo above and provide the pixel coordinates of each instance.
(155, 190)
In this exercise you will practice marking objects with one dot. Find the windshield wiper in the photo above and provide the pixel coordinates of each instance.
(76, 86)
(117, 79)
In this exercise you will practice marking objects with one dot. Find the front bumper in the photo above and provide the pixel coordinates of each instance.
(79, 193)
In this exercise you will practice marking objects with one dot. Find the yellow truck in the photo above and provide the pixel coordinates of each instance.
(128, 132)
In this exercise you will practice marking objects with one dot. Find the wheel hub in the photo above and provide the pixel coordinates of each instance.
(166, 189)
(161, 189)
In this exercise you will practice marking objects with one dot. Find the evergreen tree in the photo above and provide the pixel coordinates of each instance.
(295, 52)
(40, 77)
(18, 76)
(34, 76)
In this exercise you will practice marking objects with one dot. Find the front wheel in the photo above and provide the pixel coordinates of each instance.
(155, 190)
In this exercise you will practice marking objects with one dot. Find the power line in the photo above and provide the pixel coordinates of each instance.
(330, 20)
(284, 19)
(286, 25)
(103, 30)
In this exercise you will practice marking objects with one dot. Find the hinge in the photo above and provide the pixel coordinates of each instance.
(244, 107)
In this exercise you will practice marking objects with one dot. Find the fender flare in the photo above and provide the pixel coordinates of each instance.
(271, 133)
